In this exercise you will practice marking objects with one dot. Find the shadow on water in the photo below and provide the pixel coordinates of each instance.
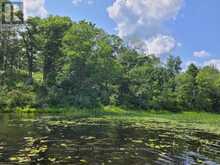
(48, 139)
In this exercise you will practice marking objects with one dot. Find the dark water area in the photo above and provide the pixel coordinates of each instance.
(63, 139)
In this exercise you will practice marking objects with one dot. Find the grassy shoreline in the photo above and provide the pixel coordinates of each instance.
(208, 122)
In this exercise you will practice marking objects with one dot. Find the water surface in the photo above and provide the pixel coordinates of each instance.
(63, 139)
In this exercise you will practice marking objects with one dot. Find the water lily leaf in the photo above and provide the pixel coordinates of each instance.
(12, 158)
(52, 159)
(63, 145)
(83, 161)
(137, 141)
(90, 138)
(199, 161)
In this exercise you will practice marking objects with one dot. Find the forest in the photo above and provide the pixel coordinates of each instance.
(56, 62)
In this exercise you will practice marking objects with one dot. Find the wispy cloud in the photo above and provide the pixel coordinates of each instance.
(78, 2)
(201, 54)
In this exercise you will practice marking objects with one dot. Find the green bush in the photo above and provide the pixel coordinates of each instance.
(17, 98)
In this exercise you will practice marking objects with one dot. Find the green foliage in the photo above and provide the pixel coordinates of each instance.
(187, 88)
(52, 30)
(186, 91)
(208, 89)
(17, 97)
(55, 62)
(91, 70)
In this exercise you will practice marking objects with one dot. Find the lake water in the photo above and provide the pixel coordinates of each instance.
(63, 139)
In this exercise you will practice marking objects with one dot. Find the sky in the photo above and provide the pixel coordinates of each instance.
(186, 28)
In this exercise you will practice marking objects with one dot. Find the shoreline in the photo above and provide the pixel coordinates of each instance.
(208, 122)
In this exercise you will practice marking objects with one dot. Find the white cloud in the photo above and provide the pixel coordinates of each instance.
(160, 44)
(34, 8)
(201, 54)
(78, 2)
(141, 21)
(90, 2)
(213, 62)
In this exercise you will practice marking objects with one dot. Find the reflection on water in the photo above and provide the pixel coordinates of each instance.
(62, 139)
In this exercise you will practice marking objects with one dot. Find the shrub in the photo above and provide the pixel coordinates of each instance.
(19, 98)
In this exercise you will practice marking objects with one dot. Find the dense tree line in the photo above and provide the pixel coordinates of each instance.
(58, 62)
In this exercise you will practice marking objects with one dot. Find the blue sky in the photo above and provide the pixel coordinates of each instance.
(187, 28)
(95, 12)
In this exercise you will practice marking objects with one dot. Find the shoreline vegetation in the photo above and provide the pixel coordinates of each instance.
(57, 62)
(204, 121)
